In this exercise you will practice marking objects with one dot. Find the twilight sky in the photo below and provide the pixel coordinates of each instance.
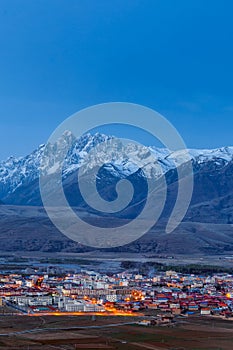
(58, 56)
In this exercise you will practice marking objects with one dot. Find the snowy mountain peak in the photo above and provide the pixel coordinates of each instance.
(17, 171)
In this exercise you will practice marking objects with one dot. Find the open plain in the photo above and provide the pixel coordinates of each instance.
(113, 332)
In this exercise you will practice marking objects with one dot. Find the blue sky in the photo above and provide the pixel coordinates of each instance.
(58, 56)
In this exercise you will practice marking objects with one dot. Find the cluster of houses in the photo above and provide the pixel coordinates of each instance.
(166, 293)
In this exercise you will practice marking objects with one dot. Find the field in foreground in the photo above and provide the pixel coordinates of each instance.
(24, 332)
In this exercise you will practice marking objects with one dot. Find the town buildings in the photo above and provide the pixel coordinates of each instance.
(165, 292)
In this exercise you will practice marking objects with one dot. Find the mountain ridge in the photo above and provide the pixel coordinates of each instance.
(16, 172)
(206, 228)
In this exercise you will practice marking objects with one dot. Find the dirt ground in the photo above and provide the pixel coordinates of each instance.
(50, 332)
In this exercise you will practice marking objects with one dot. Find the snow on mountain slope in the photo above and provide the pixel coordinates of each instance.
(14, 171)
(17, 171)
(197, 155)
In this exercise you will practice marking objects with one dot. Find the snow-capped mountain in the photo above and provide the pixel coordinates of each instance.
(206, 228)
(15, 172)
(91, 150)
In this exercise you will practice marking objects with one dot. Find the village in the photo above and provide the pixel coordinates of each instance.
(163, 296)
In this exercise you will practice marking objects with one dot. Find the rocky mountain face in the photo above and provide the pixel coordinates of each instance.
(207, 226)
